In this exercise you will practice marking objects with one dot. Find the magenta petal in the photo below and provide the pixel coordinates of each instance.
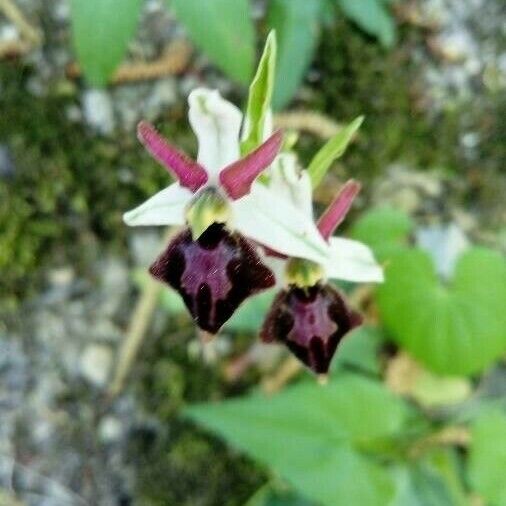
(338, 209)
(238, 177)
(311, 322)
(189, 173)
(213, 274)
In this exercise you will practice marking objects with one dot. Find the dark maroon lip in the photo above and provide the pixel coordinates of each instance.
(213, 274)
(311, 322)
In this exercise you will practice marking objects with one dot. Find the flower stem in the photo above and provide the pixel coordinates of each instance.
(137, 328)
(139, 324)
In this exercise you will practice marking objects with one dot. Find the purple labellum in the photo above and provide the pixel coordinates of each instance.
(213, 274)
(311, 322)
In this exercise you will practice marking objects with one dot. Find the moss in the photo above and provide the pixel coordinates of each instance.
(69, 188)
(355, 76)
(181, 464)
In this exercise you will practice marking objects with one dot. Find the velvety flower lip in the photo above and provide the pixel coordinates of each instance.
(311, 322)
(213, 274)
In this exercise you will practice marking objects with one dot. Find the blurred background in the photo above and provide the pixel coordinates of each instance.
(418, 394)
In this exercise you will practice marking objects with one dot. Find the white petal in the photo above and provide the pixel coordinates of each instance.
(216, 123)
(165, 208)
(291, 183)
(352, 261)
(264, 217)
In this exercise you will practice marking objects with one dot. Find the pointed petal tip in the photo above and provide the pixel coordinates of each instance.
(238, 177)
(338, 209)
(189, 173)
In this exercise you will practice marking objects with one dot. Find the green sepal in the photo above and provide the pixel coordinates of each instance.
(260, 94)
(331, 150)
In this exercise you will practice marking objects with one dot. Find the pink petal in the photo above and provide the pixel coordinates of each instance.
(238, 177)
(338, 209)
(189, 173)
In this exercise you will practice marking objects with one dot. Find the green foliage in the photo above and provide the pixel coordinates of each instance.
(273, 494)
(297, 27)
(459, 329)
(432, 480)
(373, 17)
(260, 96)
(250, 315)
(315, 436)
(101, 31)
(224, 30)
(487, 460)
(385, 230)
(359, 350)
(331, 150)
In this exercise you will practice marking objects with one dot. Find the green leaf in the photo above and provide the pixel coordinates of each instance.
(101, 32)
(487, 459)
(250, 315)
(311, 436)
(272, 494)
(260, 96)
(332, 149)
(373, 17)
(459, 329)
(297, 27)
(360, 350)
(385, 230)
(224, 30)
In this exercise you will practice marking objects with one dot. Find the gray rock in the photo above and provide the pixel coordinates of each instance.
(98, 111)
(7, 167)
(95, 364)
(444, 243)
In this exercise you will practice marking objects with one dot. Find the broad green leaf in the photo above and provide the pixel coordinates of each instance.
(487, 459)
(297, 28)
(251, 314)
(332, 149)
(273, 495)
(373, 17)
(311, 435)
(360, 350)
(384, 229)
(459, 329)
(420, 485)
(101, 32)
(260, 96)
(224, 30)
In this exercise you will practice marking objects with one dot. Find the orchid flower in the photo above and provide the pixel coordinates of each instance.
(212, 263)
(309, 314)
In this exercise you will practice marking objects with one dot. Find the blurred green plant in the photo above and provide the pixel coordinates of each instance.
(225, 31)
(101, 31)
(353, 441)
(454, 329)
(324, 441)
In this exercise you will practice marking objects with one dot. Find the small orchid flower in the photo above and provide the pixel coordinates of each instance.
(211, 263)
(309, 315)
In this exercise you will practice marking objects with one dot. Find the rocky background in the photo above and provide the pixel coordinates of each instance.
(433, 145)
